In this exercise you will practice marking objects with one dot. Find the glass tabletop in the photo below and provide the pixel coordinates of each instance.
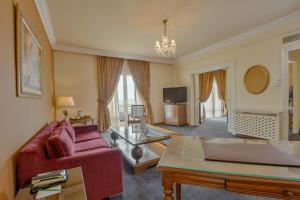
(152, 134)
(186, 152)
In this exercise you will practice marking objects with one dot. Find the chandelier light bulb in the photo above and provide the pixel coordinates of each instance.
(165, 48)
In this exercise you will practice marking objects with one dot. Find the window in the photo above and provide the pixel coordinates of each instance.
(213, 105)
(125, 96)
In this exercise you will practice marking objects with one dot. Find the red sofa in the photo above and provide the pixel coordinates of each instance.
(101, 165)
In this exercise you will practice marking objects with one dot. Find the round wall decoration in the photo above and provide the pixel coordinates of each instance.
(256, 79)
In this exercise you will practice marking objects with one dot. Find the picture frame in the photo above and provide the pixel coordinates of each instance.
(28, 59)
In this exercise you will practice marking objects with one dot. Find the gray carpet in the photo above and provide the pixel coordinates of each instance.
(147, 185)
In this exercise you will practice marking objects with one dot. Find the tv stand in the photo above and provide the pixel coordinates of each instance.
(175, 114)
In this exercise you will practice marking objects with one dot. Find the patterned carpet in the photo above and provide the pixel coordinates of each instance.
(147, 185)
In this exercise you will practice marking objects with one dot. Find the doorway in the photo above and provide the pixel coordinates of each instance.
(213, 105)
(291, 91)
(294, 91)
(125, 96)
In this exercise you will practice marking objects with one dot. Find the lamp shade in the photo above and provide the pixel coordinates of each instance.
(65, 102)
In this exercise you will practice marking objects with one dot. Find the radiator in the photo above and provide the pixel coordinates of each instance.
(259, 125)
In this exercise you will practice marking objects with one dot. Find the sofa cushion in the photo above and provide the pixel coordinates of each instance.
(69, 128)
(59, 144)
(87, 136)
(90, 145)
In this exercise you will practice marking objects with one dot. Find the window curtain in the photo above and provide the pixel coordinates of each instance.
(220, 77)
(205, 86)
(140, 71)
(109, 70)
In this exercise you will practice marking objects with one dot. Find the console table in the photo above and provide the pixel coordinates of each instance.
(82, 121)
(183, 163)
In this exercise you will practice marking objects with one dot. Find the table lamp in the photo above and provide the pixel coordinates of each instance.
(64, 102)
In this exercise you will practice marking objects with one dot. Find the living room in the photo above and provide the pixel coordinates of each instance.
(139, 94)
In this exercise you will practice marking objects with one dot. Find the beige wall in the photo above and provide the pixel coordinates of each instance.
(20, 118)
(161, 75)
(267, 53)
(75, 75)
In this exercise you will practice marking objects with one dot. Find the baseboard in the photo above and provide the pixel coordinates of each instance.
(159, 123)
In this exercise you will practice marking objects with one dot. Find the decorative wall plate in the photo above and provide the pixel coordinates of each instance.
(256, 79)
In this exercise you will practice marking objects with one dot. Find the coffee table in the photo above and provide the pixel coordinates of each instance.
(141, 150)
(184, 163)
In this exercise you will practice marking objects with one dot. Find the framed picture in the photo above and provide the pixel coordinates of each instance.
(29, 59)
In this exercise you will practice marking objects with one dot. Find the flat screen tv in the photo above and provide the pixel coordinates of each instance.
(175, 95)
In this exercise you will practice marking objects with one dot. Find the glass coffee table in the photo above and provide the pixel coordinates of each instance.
(141, 150)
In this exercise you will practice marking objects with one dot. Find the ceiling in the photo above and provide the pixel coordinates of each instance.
(132, 26)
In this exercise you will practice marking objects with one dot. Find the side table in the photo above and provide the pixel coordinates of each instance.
(73, 189)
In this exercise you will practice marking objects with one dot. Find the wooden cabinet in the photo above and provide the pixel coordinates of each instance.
(175, 114)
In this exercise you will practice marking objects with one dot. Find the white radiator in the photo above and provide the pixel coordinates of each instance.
(260, 125)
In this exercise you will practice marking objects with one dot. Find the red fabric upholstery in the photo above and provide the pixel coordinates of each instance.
(69, 129)
(90, 145)
(86, 137)
(60, 144)
(85, 129)
(101, 167)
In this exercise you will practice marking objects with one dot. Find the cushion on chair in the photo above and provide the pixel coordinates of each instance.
(90, 145)
(87, 136)
(69, 128)
(59, 144)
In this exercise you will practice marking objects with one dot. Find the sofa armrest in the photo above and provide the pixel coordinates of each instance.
(85, 129)
(101, 168)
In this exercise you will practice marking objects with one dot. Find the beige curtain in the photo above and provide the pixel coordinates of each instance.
(205, 87)
(140, 71)
(220, 77)
(109, 70)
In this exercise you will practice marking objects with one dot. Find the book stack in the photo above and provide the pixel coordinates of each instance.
(47, 180)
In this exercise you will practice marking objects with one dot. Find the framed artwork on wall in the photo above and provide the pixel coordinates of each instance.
(29, 59)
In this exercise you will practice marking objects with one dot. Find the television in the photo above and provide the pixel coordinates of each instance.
(175, 95)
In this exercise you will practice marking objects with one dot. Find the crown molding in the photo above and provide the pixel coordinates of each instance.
(46, 20)
(75, 49)
(42, 8)
(238, 38)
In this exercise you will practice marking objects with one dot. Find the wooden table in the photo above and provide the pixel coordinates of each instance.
(82, 121)
(183, 163)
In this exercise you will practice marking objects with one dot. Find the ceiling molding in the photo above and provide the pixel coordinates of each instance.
(88, 51)
(42, 8)
(238, 38)
(46, 20)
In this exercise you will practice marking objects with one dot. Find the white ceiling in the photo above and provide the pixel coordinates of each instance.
(132, 26)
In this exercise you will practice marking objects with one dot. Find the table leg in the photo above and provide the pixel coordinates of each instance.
(178, 191)
(167, 183)
(137, 153)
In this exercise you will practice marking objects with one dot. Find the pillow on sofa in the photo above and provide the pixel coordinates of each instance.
(69, 128)
(59, 144)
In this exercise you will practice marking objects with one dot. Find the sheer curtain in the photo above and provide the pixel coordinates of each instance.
(109, 70)
(213, 105)
(140, 71)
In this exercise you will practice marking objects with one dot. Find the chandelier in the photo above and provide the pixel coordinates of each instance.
(165, 48)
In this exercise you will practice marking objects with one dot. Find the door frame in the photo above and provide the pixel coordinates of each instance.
(231, 101)
(286, 48)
